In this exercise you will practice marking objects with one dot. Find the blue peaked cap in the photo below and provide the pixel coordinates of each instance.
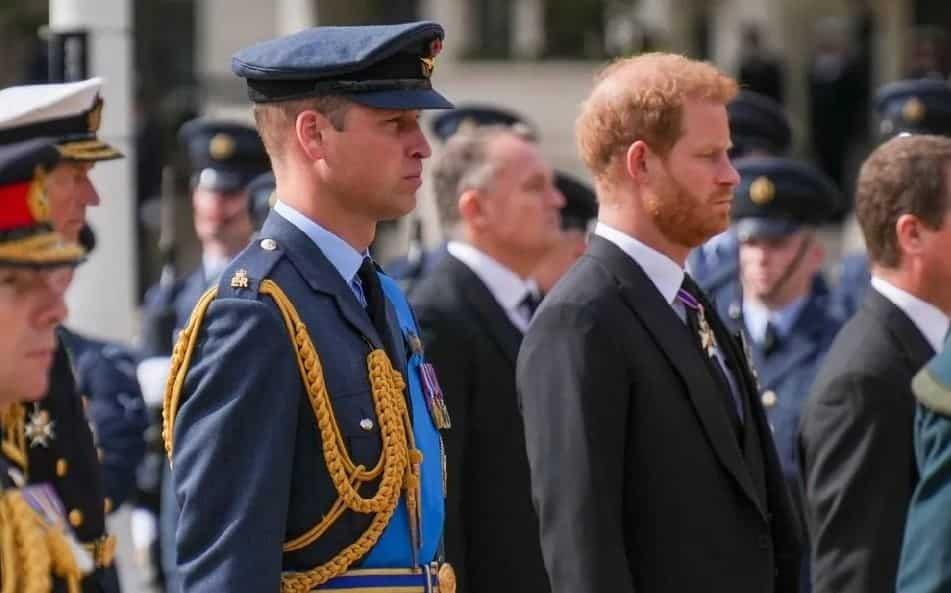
(383, 66)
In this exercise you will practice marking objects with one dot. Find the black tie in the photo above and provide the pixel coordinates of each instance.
(376, 304)
(713, 363)
(770, 339)
(529, 303)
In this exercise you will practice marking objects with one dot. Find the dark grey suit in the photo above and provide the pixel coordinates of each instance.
(639, 479)
(856, 449)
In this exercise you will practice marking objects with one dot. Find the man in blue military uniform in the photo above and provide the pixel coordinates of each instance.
(924, 565)
(224, 157)
(301, 420)
(758, 126)
(904, 107)
(780, 303)
(53, 437)
(105, 376)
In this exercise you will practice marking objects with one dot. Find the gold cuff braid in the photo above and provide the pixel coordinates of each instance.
(399, 463)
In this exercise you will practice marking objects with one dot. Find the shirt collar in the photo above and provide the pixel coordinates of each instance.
(930, 321)
(213, 265)
(666, 274)
(756, 316)
(508, 288)
(341, 254)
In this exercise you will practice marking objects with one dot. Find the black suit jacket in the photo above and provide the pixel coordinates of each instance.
(637, 475)
(857, 451)
(491, 532)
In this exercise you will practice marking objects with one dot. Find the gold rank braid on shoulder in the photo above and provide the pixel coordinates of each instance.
(31, 551)
(398, 467)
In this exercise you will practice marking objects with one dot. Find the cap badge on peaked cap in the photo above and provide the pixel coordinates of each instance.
(221, 146)
(94, 117)
(36, 199)
(762, 191)
(429, 63)
(913, 110)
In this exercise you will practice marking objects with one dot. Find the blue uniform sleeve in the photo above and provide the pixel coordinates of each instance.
(233, 451)
(924, 566)
(118, 415)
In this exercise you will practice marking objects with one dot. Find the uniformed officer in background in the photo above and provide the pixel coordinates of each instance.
(920, 106)
(54, 440)
(301, 420)
(758, 127)
(35, 265)
(224, 157)
(781, 304)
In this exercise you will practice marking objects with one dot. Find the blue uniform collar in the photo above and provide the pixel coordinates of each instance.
(342, 256)
(756, 316)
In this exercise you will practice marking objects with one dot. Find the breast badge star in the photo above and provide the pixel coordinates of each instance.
(39, 427)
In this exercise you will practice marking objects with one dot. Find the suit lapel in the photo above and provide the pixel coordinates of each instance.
(505, 335)
(912, 343)
(319, 273)
(675, 341)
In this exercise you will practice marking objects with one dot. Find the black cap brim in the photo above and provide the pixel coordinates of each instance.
(748, 229)
(221, 180)
(402, 99)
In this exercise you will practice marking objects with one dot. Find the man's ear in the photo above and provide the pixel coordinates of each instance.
(637, 160)
(908, 231)
(311, 128)
(471, 208)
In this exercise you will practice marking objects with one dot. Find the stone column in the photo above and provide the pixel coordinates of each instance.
(102, 298)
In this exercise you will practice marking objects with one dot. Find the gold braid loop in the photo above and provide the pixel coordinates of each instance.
(31, 550)
(12, 420)
(178, 367)
(397, 468)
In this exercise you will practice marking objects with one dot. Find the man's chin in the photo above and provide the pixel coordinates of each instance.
(398, 207)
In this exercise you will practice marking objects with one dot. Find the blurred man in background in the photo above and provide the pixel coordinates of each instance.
(497, 198)
(903, 107)
(856, 433)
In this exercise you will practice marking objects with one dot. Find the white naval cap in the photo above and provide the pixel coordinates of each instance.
(68, 113)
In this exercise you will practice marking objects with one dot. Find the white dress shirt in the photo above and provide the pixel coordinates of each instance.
(930, 321)
(665, 273)
(668, 276)
(507, 287)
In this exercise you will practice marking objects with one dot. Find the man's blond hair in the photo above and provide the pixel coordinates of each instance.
(642, 98)
(276, 121)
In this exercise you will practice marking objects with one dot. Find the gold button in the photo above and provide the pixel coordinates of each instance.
(61, 468)
(268, 244)
(75, 517)
(107, 505)
(769, 398)
(366, 424)
(99, 453)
